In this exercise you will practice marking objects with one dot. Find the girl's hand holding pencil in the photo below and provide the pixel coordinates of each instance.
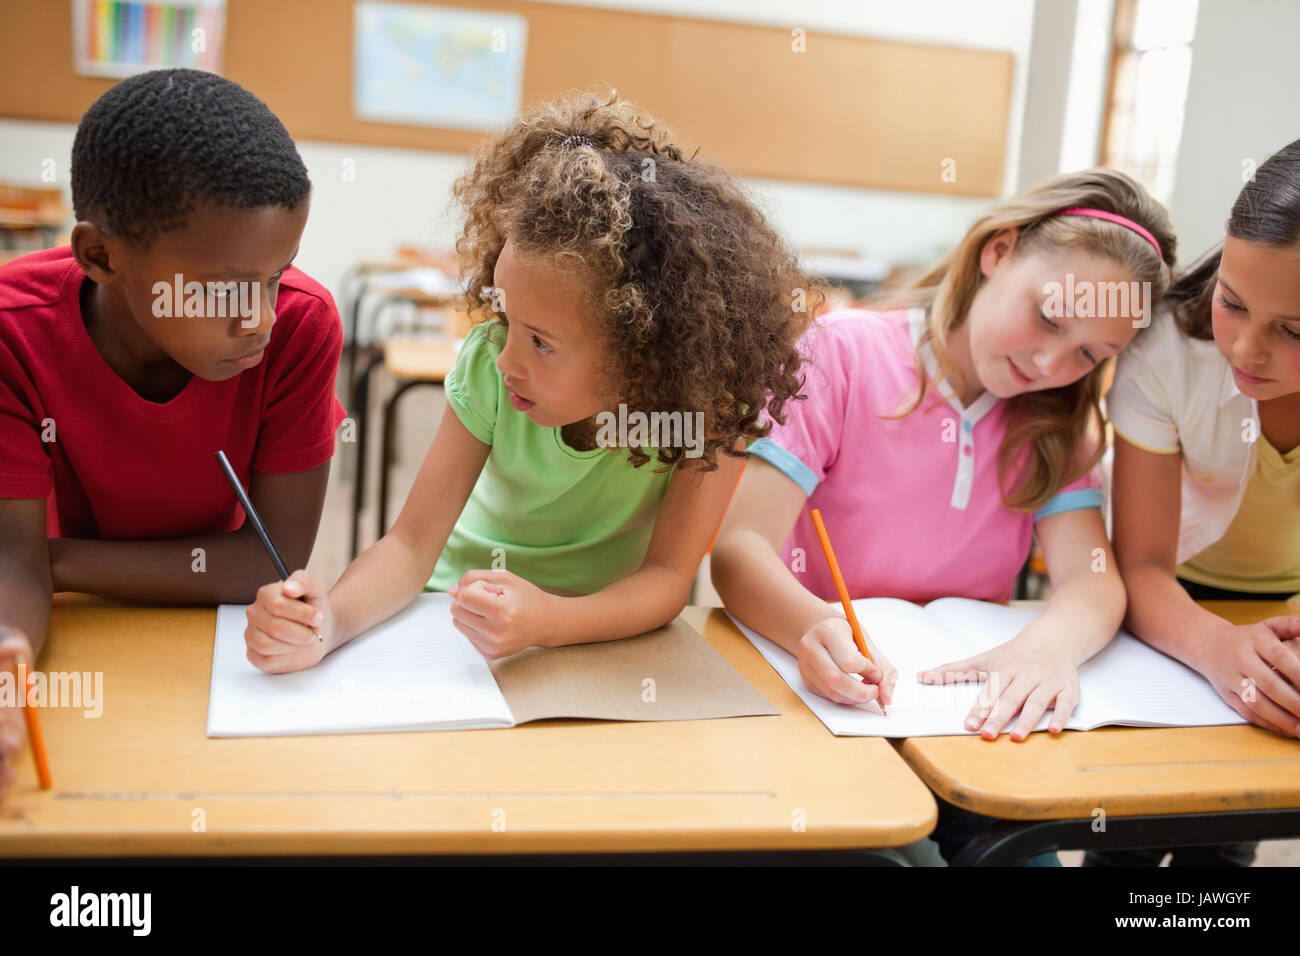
(830, 663)
(826, 658)
(290, 626)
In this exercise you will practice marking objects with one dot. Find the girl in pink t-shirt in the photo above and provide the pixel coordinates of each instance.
(936, 441)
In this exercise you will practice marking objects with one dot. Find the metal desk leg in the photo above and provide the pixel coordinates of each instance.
(360, 405)
(386, 456)
(354, 329)
(1011, 842)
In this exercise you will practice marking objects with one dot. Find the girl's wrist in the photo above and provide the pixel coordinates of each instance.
(1202, 652)
(553, 611)
(819, 612)
(1037, 639)
(331, 640)
(338, 621)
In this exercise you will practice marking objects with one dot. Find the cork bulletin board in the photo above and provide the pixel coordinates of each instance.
(848, 110)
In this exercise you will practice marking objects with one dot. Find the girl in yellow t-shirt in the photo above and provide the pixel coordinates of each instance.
(1206, 410)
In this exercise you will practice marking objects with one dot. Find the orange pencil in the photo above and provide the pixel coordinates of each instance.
(33, 726)
(843, 590)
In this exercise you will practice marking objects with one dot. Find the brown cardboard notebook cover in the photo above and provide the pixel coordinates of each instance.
(668, 674)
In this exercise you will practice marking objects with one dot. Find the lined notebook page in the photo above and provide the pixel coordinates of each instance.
(414, 671)
(1128, 682)
(912, 643)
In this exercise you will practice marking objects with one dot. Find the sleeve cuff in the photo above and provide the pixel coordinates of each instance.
(274, 461)
(786, 463)
(26, 486)
(1081, 499)
(1152, 436)
(1137, 444)
(473, 423)
(30, 488)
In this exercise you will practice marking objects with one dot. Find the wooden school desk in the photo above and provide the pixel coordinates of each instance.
(143, 780)
(1165, 786)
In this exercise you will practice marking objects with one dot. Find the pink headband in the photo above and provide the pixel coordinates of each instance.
(1111, 217)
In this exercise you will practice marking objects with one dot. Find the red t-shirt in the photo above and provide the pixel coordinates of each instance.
(120, 467)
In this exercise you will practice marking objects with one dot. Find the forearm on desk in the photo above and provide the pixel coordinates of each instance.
(228, 568)
(1164, 615)
(1087, 607)
(762, 592)
(648, 598)
(384, 579)
(25, 596)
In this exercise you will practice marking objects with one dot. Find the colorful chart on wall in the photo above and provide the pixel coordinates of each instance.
(112, 38)
(437, 66)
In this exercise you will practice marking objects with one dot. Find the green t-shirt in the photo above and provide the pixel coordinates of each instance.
(564, 519)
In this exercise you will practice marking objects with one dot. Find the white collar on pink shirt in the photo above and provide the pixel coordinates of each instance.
(965, 444)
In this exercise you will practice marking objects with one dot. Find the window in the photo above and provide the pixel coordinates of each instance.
(1151, 60)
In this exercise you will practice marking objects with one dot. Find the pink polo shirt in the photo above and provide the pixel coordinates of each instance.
(912, 505)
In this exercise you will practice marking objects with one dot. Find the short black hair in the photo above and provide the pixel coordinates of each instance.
(155, 145)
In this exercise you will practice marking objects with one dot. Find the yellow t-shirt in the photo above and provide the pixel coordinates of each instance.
(1260, 551)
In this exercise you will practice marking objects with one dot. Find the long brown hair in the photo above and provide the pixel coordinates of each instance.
(1267, 211)
(1050, 428)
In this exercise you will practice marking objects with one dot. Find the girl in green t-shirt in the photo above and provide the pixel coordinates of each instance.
(637, 317)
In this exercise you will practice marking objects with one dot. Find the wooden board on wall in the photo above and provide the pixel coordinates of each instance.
(848, 111)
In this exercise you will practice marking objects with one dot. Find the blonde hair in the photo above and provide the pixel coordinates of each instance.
(1053, 425)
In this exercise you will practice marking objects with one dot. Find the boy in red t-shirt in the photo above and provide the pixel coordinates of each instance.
(173, 326)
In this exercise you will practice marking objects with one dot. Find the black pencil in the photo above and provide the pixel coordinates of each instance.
(253, 516)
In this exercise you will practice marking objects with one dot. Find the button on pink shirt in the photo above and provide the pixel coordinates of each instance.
(912, 505)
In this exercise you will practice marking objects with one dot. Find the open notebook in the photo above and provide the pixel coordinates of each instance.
(1127, 683)
(415, 671)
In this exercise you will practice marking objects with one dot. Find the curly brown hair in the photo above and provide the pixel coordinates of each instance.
(699, 301)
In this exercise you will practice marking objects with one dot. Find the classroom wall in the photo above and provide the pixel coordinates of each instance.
(976, 24)
(1047, 73)
(1243, 102)
(401, 196)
